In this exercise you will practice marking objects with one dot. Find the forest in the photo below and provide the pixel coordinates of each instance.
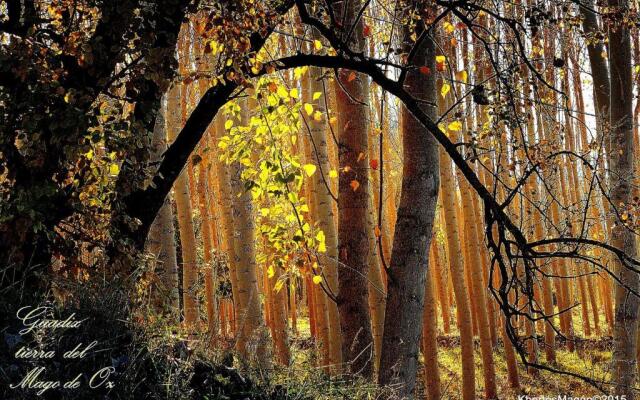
(319, 199)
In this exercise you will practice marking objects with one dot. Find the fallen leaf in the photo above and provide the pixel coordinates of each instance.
(354, 185)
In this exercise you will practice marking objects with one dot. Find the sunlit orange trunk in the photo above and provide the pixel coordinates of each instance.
(183, 207)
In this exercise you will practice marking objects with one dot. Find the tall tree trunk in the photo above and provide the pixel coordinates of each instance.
(252, 335)
(352, 93)
(161, 239)
(324, 208)
(207, 239)
(621, 173)
(413, 232)
(479, 289)
(598, 63)
(456, 272)
(321, 300)
(441, 287)
(185, 223)
(227, 223)
(430, 330)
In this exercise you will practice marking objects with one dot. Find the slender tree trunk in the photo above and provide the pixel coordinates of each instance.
(442, 289)
(413, 232)
(185, 223)
(252, 336)
(457, 278)
(161, 239)
(352, 92)
(293, 306)
(473, 249)
(279, 322)
(377, 294)
(621, 173)
(321, 300)
(322, 197)
(430, 331)
(207, 239)
(227, 223)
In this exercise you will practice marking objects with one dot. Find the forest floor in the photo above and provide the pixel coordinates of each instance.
(591, 361)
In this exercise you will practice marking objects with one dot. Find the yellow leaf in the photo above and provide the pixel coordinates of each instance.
(317, 116)
(317, 279)
(316, 95)
(440, 59)
(213, 46)
(114, 169)
(333, 173)
(299, 71)
(278, 286)
(448, 27)
(317, 45)
(228, 124)
(322, 246)
(308, 108)
(271, 272)
(264, 211)
(455, 126)
(309, 169)
(282, 92)
(333, 120)
(462, 76)
(293, 93)
(445, 89)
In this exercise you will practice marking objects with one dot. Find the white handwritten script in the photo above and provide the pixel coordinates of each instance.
(35, 319)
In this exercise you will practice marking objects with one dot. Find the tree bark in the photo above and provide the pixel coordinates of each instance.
(352, 91)
(413, 232)
(252, 336)
(185, 222)
(621, 176)
(161, 239)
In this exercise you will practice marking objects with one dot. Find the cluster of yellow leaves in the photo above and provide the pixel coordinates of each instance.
(273, 172)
